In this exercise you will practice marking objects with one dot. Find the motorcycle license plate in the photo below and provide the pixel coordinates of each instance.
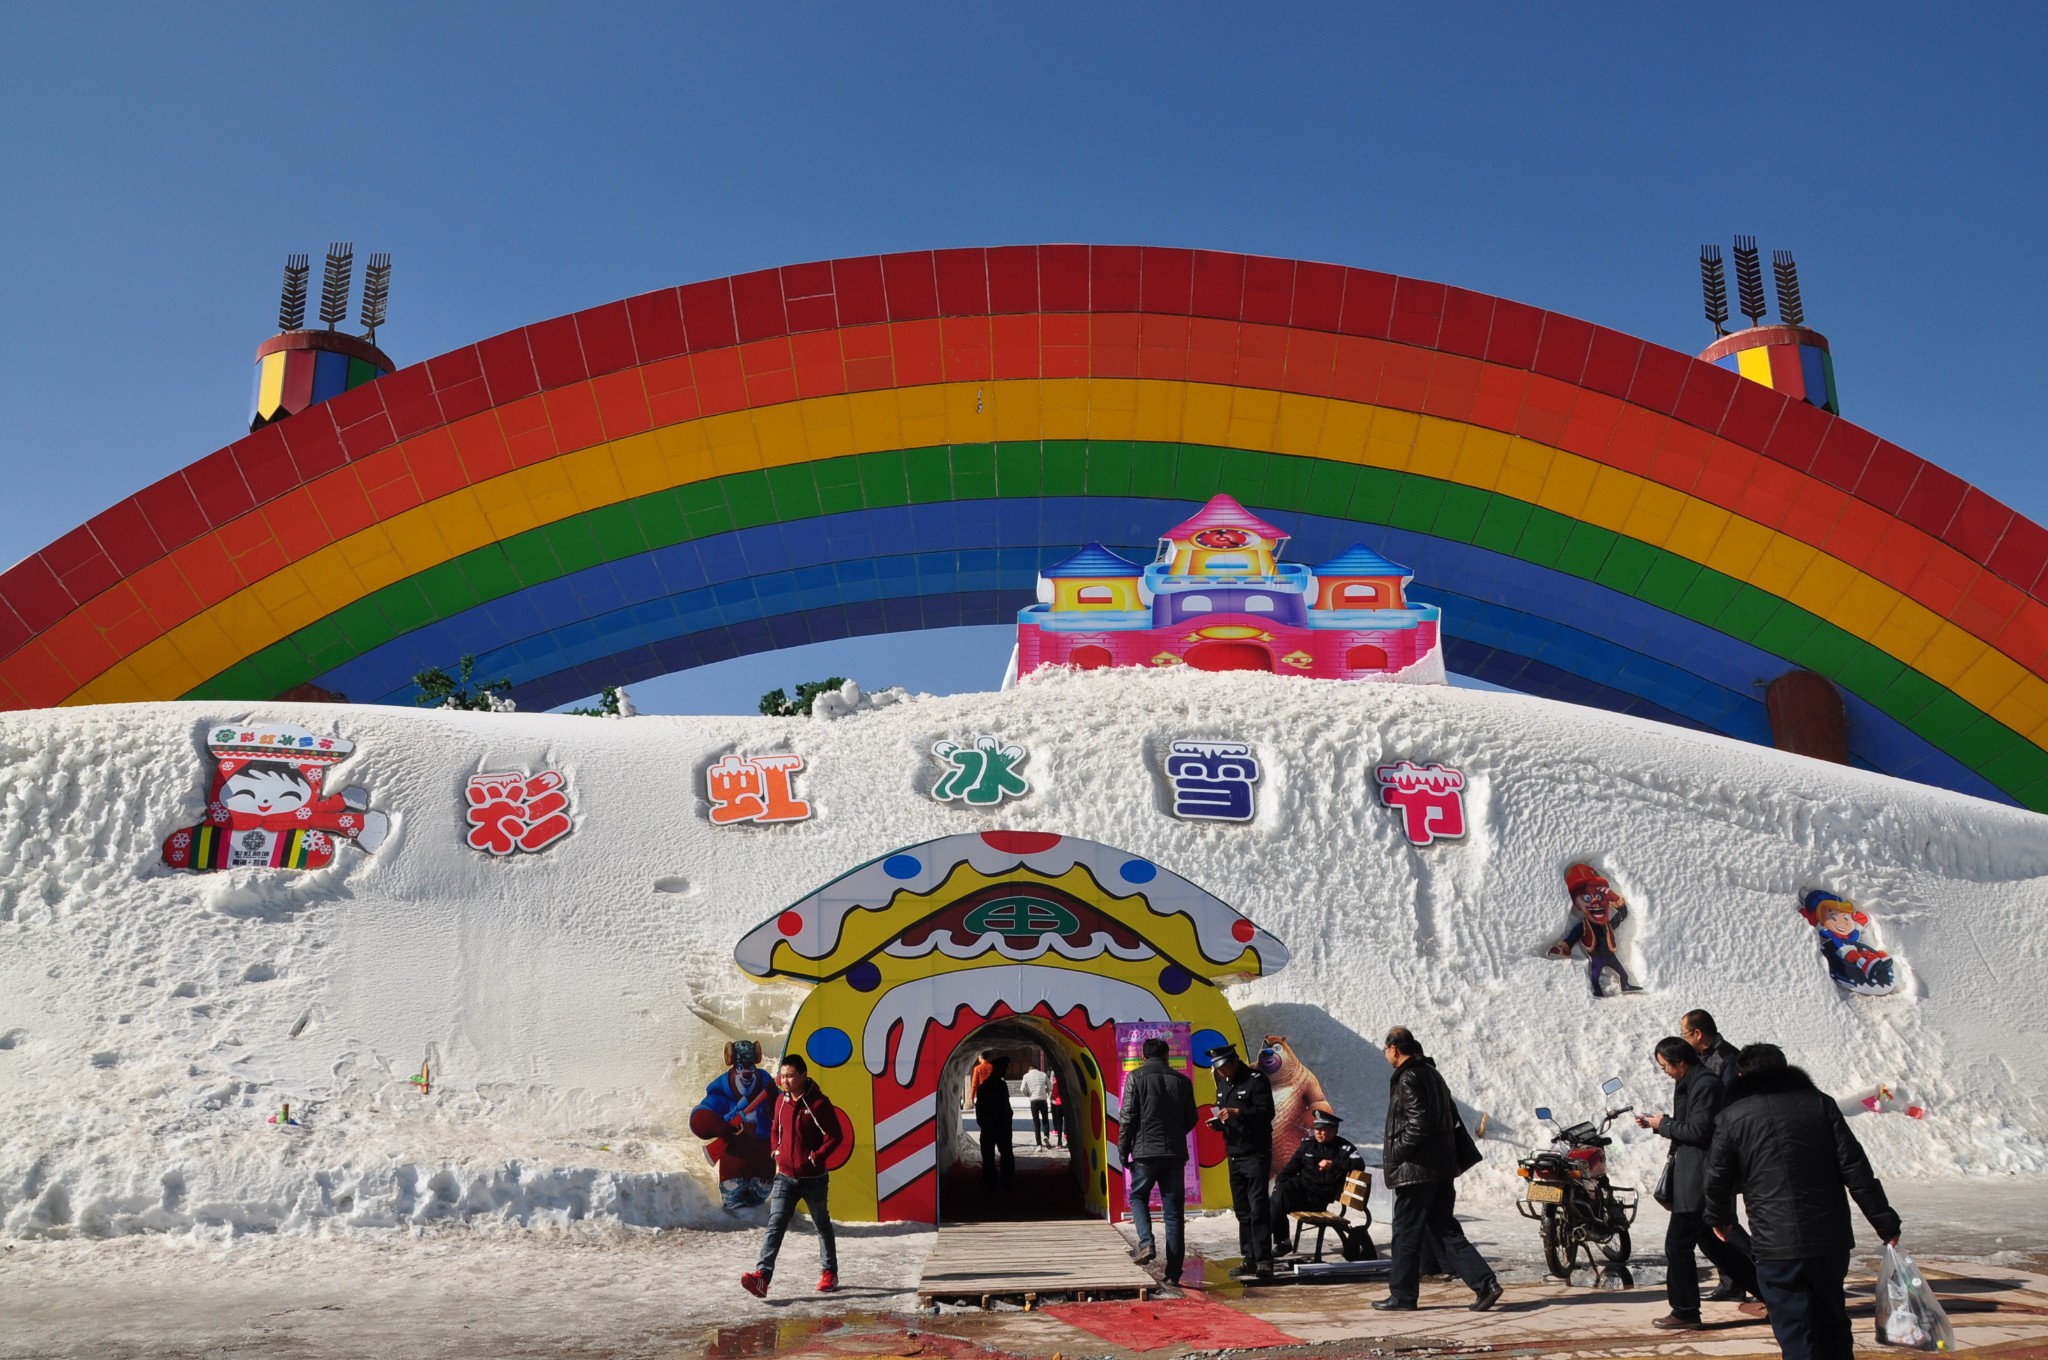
(1546, 1194)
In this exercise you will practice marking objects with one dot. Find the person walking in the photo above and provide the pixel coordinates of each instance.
(996, 1120)
(1695, 1106)
(1783, 1146)
(1037, 1086)
(1313, 1177)
(806, 1133)
(1425, 1149)
(984, 1063)
(1158, 1114)
(1059, 1113)
(1244, 1116)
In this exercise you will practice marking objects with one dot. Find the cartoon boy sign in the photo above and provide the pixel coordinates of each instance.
(1597, 913)
(266, 807)
(1854, 961)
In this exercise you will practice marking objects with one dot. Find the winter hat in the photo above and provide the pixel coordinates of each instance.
(233, 748)
(1582, 876)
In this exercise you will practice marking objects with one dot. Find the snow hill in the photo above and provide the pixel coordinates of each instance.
(573, 1003)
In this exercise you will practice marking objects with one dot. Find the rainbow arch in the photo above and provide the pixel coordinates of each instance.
(899, 442)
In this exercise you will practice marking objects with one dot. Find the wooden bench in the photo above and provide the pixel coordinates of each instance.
(1353, 1235)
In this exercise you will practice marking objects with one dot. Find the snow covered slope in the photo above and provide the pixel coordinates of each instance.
(573, 1003)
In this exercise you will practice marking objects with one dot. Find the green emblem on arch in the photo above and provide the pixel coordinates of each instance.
(1022, 918)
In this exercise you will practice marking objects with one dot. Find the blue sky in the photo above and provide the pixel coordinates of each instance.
(521, 161)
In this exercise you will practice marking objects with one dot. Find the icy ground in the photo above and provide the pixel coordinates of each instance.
(456, 1293)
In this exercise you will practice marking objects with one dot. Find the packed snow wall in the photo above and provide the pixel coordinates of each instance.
(571, 1003)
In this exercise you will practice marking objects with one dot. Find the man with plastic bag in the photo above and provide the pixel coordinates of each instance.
(1783, 1145)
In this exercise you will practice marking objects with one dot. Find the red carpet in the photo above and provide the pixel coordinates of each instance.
(1148, 1326)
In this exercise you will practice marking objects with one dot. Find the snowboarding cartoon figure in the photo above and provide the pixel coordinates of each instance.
(266, 809)
(1856, 964)
(1597, 914)
(736, 1119)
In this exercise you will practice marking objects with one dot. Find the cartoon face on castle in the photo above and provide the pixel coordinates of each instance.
(267, 787)
(1222, 538)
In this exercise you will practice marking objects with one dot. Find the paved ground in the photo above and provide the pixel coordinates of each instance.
(617, 1295)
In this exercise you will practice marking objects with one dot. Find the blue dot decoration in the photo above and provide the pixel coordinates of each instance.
(1203, 1041)
(1174, 979)
(903, 866)
(1139, 871)
(829, 1047)
(864, 976)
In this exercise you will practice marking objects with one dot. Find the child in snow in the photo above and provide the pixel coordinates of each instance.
(265, 806)
(735, 1119)
(1597, 914)
(1855, 965)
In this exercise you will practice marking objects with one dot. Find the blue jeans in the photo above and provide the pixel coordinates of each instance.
(782, 1208)
(1169, 1175)
(743, 1192)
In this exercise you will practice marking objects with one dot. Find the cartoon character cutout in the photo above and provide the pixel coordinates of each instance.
(266, 807)
(1855, 962)
(736, 1120)
(1297, 1095)
(1597, 914)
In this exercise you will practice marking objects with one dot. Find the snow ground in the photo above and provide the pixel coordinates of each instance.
(573, 1002)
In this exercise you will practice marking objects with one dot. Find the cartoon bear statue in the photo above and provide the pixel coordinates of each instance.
(1597, 914)
(1856, 964)
(266, 808)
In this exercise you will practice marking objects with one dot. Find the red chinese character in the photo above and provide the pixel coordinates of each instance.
(1429, 796)
(511, 811)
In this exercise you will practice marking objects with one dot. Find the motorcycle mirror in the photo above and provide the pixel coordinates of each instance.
(1543, 1112)
(1611, 1085)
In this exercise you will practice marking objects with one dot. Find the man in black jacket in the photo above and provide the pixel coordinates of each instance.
(998, 1123)
(1695, 1105)
(1244, 1116)
(1157, 1116)
(1423, 1155)
(1314, 1177)
(1717, 1055)
(1783, 1146)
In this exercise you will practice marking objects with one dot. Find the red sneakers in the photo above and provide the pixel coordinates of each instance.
(828, 1282)
(755, 1283)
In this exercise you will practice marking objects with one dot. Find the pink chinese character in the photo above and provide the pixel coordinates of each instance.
(1429, 796)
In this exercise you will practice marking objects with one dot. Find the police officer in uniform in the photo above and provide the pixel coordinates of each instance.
(1244, 1116)
(1308, 1183)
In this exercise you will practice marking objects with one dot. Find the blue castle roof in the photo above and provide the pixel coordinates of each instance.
(1094, 560)
(1359, 560)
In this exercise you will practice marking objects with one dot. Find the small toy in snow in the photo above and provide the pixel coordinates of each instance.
(265, 807)
(1597, 914)
(425, 1080)
(283, 1118)
(1848, 941)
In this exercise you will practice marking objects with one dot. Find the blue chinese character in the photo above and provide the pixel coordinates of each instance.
(1212, 780)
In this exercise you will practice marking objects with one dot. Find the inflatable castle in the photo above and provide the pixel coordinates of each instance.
(1219, 599)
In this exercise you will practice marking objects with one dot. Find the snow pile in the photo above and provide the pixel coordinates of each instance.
(571, 1004)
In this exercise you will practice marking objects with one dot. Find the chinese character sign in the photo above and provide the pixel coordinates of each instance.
(982, 774)
(513, 811)
(1212, 780)
(1431, 799)
(755, 789)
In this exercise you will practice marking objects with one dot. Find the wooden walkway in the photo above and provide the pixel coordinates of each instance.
(1027, 1262)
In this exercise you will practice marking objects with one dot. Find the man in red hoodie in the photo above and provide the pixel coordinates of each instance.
(806, 1136)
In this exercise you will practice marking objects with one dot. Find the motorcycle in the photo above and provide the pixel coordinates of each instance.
(1576, 1207)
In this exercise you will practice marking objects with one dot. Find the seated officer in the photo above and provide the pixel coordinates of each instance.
(1308, 1183)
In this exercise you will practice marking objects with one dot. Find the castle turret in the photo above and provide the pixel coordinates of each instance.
(1093, 578)
(1221, 539)
(1359, 578)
